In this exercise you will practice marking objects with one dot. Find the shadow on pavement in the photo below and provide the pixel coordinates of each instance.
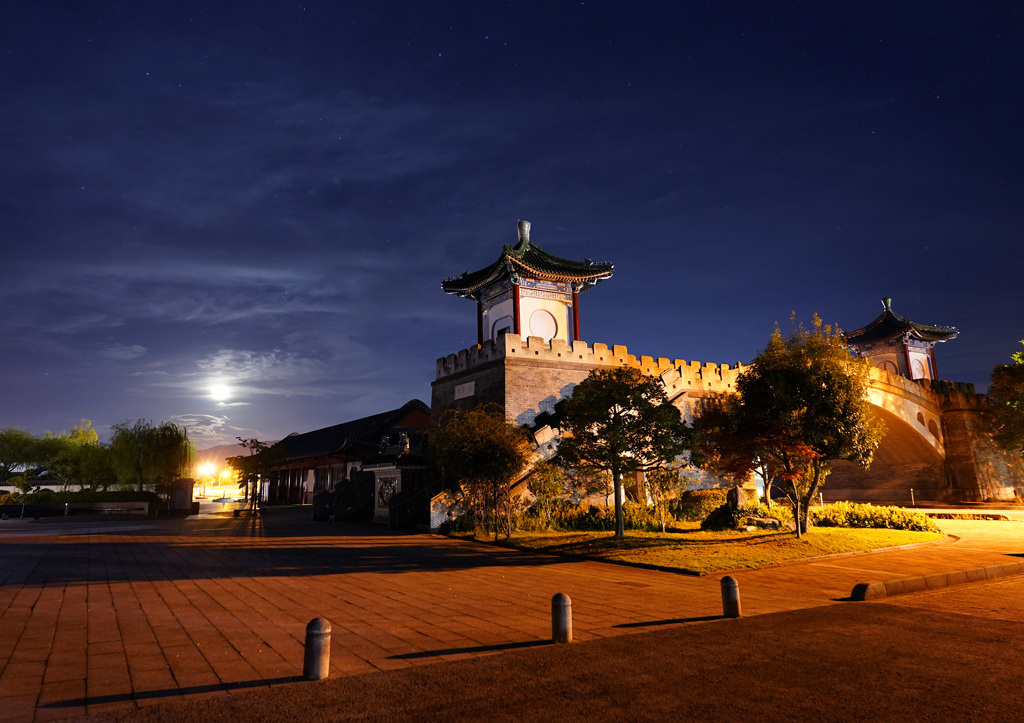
(673, 621)
(281, 544)
(474, 649)
(169, 692)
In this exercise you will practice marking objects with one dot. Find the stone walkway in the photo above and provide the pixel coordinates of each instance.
(100, 615)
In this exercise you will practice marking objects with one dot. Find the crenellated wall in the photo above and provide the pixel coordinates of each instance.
(936, 441)
(529, 376)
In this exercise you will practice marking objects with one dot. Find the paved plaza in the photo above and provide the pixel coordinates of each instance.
(114, 617)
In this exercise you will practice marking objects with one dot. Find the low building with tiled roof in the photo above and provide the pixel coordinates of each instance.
(363, 463)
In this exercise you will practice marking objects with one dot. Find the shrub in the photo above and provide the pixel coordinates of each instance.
(698, 504)
(639, 516)
(850, 514)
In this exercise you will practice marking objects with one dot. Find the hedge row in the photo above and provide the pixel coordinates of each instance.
(48, 497)
(851, 514)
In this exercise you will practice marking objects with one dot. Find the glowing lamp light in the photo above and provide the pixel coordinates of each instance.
(207, 469)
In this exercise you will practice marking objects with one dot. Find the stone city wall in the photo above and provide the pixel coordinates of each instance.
(528, 376)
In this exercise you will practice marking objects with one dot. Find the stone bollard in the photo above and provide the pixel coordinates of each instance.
(317, 660)
(561, 618)
(730, 597)
(238, 513)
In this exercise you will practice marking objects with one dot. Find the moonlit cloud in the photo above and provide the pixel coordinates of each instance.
(123, 352)
(207, 430)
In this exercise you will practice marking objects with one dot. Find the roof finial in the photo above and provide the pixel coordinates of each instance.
(887, 303)
(524, 230)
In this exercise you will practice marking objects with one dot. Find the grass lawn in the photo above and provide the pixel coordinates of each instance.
(698, 552)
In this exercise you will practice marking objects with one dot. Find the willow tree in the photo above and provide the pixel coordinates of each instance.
(619, 421)
(146, 454)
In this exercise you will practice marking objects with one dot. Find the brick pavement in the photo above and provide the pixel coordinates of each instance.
(101, 615)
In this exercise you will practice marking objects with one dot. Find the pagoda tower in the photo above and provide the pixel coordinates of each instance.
(898, 345)
(528, 292)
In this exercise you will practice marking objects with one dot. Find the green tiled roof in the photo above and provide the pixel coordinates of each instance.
(529, 260)
(890, 326)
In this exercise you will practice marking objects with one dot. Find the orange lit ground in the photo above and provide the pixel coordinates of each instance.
(105, 616)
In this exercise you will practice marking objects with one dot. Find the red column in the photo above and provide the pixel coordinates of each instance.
(575, 316)
(515, 310)
(935, 369)
(479, 322)
(906, 355)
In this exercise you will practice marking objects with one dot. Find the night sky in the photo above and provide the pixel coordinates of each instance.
(236, 216)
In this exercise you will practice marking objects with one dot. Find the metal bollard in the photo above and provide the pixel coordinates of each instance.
(561, 618)
(317, 660)
(730, 597)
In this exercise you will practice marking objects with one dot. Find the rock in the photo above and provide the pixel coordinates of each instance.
(763, 523)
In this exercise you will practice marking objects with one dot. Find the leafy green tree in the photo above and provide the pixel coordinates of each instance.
(487, 454)
(547, 483)
(1007, 392)
(76, 457)
(144, 454)
(24, 484)
(619, 421)
(803, 404)
(665, 484)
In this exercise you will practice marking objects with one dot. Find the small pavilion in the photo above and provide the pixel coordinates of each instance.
(528, 292)
(898, 345)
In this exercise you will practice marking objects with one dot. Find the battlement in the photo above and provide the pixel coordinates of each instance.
(945, 394)
(678, 374)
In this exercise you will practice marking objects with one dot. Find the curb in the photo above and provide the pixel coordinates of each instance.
(875, 590)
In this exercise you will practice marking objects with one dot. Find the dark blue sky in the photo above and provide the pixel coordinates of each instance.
(267, 195)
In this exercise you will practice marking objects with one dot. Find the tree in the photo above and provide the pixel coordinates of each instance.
(76, 457)
(665, 484)
(547, 483)
(487, 453)
(1007, 391)
(582, 483)
(18, 452)
(803, 404)
(143, 454)
(619, 420)
(719, 445)
(253, 468)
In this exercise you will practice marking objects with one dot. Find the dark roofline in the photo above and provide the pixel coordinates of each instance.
(528, 259)
(364, 432)
(889, 326)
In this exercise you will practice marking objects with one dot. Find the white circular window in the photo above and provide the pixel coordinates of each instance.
(543, 324)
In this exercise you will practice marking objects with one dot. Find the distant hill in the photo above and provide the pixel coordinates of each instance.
(220, 453)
